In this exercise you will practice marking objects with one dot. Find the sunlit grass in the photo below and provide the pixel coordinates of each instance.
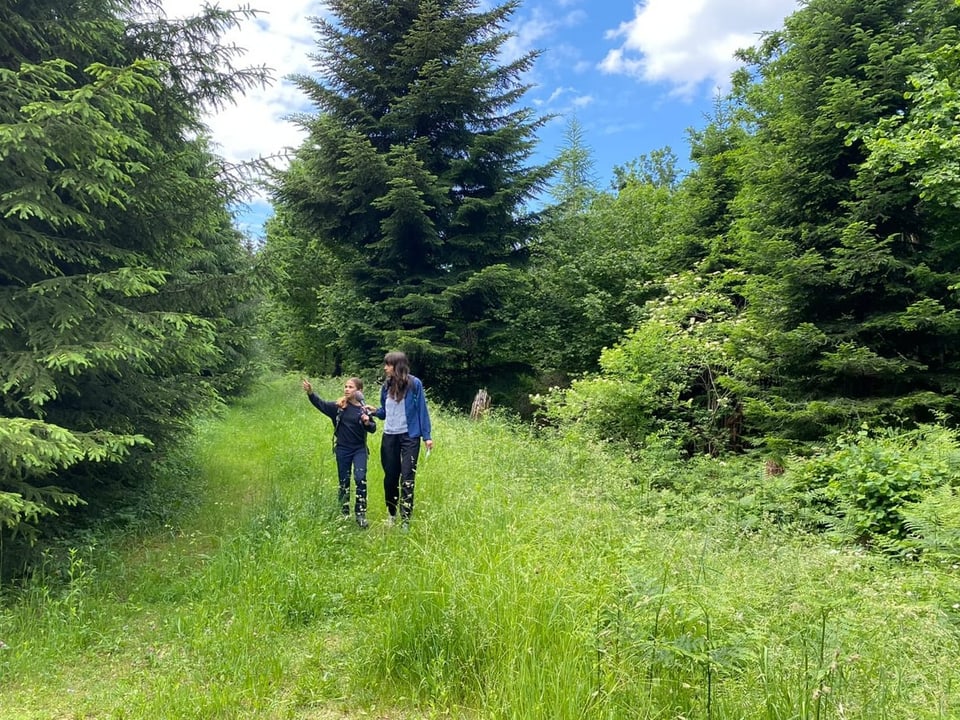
(539, 579)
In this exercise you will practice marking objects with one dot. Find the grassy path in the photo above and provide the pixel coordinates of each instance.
(539, 580)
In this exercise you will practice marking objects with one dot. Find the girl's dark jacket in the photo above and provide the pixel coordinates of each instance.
(349, 433)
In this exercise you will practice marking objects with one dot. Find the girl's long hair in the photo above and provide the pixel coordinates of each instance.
(398, 384)
(357, 383)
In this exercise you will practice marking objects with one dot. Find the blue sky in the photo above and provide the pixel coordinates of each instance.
(636, 75)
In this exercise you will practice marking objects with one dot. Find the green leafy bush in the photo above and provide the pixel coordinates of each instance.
(673, 376)
(873, 476)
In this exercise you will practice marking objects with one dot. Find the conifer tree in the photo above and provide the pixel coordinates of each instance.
(122, 282)
(821, 266)
(413, 178)
(850, 276)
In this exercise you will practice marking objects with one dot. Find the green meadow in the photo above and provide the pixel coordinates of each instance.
(542, 577)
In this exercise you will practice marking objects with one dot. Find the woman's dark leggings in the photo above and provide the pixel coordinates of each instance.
(398, 455)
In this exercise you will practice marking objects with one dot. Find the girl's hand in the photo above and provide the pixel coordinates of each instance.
(307, 387)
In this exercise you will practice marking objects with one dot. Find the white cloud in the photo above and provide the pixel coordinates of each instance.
(529, 31)
(574, 103)
(555, 95)
(689, 42)
(281, 39)
(582, 66)
(526, 36)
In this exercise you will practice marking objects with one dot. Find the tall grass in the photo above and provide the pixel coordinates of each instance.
(541, 578)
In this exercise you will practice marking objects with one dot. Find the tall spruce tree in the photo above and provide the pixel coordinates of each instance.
(123, 285)
(851, 277)
(414, 178)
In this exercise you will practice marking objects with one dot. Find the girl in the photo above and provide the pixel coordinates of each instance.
(351, 423)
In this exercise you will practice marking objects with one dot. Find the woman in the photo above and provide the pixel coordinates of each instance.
(351, 423)
(406, 420)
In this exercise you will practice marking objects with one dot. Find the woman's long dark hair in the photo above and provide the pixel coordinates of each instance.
(398, 384)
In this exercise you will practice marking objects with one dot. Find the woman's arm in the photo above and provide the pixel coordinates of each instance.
(425, 428)
(381, 411)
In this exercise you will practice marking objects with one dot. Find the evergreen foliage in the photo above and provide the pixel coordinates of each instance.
(822, 208)
(124, 289)
(599, 257)
(851, 273)
(708, 191)
(410, 190)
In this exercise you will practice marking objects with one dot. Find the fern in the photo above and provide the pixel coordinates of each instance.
(933, 524)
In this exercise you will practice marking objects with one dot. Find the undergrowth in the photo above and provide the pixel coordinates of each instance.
(542, 577)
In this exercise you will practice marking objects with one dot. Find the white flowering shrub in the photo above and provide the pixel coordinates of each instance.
(673, 376)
